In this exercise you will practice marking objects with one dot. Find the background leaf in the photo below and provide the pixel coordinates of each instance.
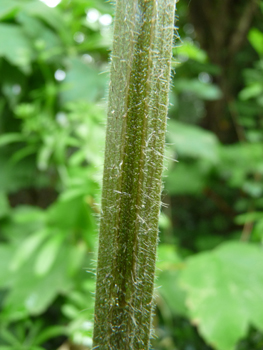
(228, 281)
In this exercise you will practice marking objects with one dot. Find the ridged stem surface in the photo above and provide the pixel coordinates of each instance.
(136, 125)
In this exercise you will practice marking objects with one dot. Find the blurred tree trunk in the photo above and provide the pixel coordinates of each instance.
(221, 27)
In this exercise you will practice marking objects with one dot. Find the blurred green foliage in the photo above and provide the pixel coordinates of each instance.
(54, 65)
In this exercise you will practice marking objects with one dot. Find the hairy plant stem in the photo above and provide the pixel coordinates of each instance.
(136, 125)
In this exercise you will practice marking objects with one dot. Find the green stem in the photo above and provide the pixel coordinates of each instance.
(138, 100)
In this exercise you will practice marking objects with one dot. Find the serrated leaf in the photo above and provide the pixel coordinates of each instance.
(224, 292)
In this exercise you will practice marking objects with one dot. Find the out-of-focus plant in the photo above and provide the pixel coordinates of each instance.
(51, 138)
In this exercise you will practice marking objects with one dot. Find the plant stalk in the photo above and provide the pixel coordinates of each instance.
(135, 139)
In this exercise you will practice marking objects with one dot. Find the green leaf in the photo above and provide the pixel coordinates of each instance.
(255, 37)
(169, 263)
(253, 188)
(48, 15)
(171, 292)
(44, 39)
(164, 221)
(238, 161)
(46, 151)
(81, 78)
(20, 347)
(28, 214)
(23, 153)
(9, 337)
(76, 257)
(77, 214)
(27, 248)
(16, 176)
(248, 217)
(186, 179)
(8, 138)
(192, 141)
(6, 252)
(70, 311)
(15, 46)
(4, 205)
(168, 258)
(32, 294)
(190, 50)
(253, 90)
(73, 193)
(224, 292)
(48, 254)
(49, 332)
(204, 91)
(258, 231)
(8, 9)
